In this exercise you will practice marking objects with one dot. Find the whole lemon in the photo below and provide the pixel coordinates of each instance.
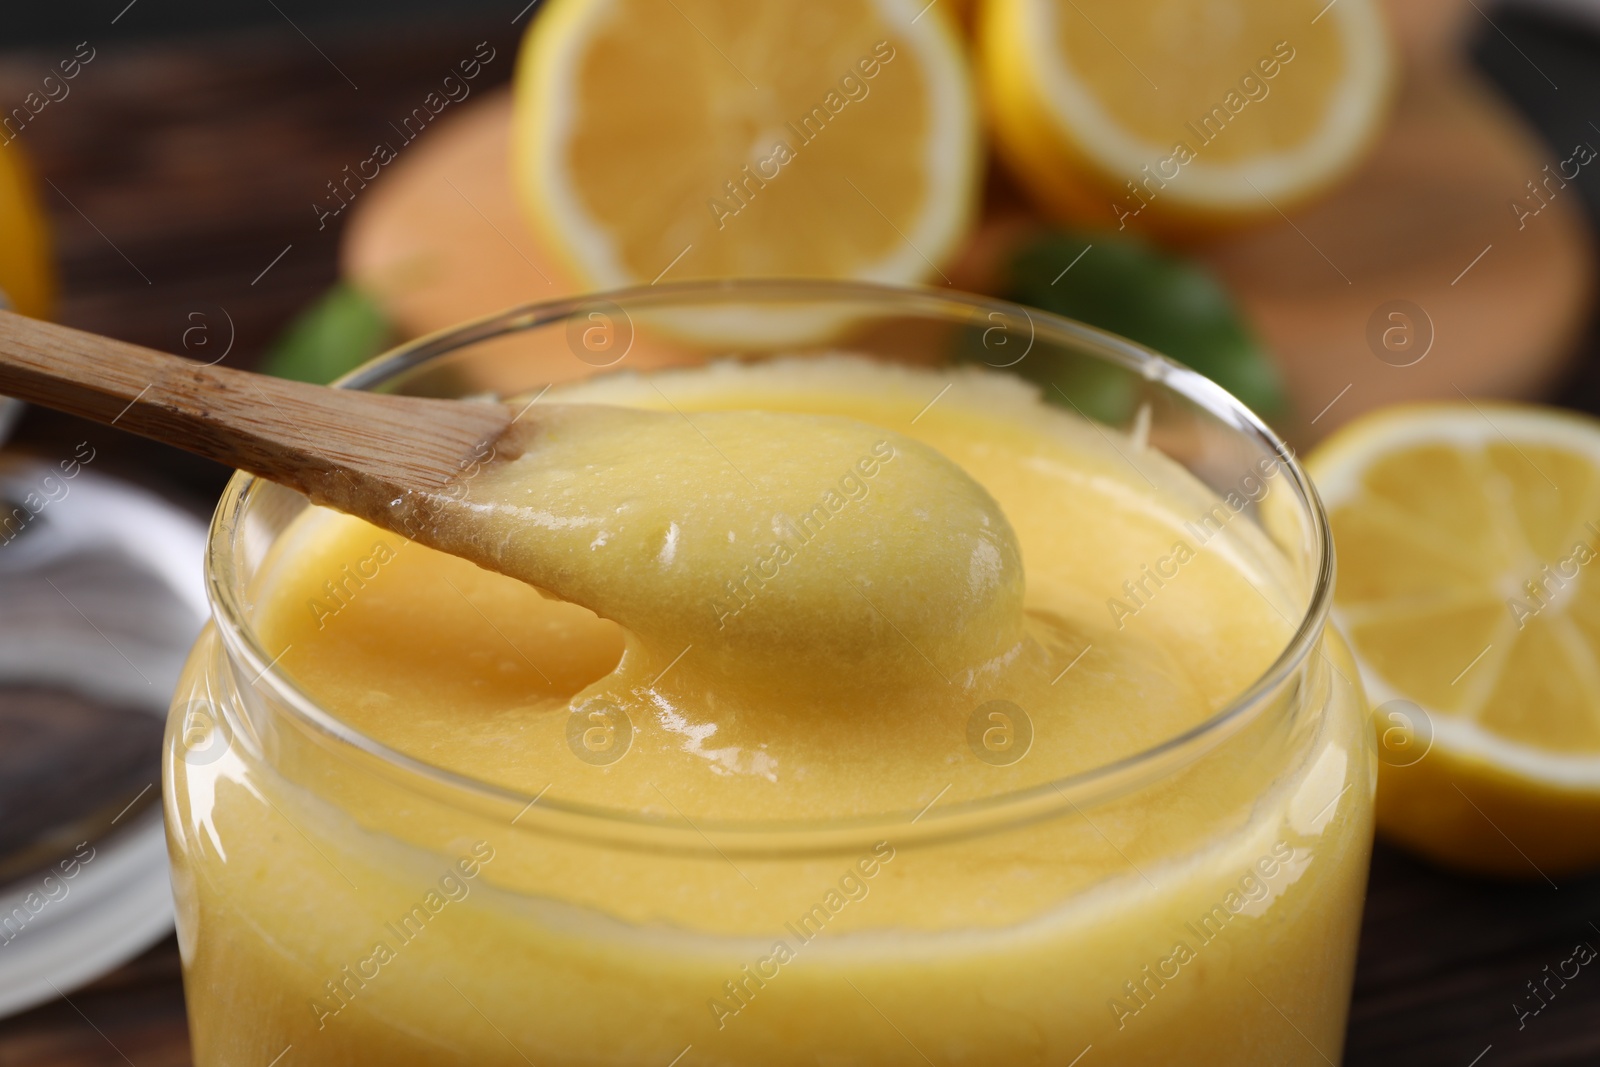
(27, 280)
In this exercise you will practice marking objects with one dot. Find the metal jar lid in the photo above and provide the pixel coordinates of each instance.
(101, 596)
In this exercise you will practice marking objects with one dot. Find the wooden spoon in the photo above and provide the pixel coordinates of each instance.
(403, 464)
(386, 459)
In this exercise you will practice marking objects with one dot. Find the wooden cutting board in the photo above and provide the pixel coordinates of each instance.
(1412, 280)
(439, 239)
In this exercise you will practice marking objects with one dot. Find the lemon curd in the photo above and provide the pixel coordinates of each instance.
(834, 748)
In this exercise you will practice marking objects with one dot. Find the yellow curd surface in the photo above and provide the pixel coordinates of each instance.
(869, 611)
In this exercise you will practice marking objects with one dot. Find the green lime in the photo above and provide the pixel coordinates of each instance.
(332, 337)
(1157, 299)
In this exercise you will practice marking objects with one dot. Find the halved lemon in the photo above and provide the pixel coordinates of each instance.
(1177, 114)
(700, 138)
(1468, 541)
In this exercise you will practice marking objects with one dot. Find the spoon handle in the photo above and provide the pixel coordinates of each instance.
(336, 446)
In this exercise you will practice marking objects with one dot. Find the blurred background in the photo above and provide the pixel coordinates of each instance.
(178, 199)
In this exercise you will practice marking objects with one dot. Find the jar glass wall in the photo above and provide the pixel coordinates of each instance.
(359, 904)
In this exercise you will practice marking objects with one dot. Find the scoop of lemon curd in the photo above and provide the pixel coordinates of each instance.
(831, 561)
(763, 590)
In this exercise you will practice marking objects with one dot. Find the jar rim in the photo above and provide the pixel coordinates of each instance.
(231, 611)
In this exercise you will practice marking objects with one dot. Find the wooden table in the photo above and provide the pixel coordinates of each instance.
(185, 175)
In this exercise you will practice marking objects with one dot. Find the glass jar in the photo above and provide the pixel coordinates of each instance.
(341, 902)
